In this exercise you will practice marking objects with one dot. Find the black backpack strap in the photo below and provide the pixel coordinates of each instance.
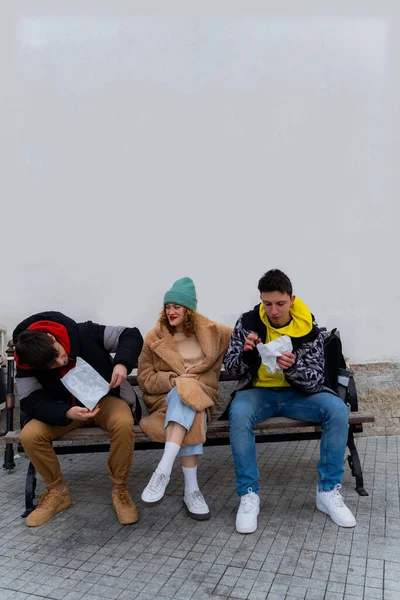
(337, 375)
(333, 359)
(352, 397)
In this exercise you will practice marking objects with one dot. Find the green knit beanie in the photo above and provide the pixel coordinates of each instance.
(182, 292)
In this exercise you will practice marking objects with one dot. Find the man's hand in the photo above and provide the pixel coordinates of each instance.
(119, 374)
(251, 341)
(80, 413)
(287, 360)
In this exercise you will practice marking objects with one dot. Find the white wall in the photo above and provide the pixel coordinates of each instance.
(140, 145)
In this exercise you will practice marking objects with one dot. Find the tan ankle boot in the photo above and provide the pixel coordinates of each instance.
(51, 502)
(124, 506)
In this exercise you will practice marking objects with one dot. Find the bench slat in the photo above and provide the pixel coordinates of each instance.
(92, 434)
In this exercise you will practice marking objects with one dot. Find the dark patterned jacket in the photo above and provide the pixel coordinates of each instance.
(307, 373)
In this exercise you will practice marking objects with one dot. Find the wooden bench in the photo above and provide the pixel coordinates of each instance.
(217, 434)
(95, 439)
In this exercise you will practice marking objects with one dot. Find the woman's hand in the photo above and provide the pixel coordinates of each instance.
(188, 375)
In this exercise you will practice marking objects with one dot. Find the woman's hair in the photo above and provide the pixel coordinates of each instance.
(189, 321)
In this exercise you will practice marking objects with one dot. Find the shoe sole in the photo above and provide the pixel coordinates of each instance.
(337, 521)
(55, 514)
(152, 503)
(247, 530)
(196, 516)
(122, 522)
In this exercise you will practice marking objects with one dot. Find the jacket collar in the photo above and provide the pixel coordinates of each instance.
(165, 347)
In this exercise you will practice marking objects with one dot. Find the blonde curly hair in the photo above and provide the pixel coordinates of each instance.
(189, 321)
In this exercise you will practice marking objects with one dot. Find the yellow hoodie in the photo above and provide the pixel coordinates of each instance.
(300, 325)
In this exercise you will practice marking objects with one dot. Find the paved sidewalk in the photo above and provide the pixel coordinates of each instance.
(297, 552)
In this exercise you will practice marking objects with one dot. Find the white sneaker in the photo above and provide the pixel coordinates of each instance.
(332, 503)
(195, 505)
(246, 518)
(155, 489)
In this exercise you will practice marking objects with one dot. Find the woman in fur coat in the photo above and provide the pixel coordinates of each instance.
(178, 374)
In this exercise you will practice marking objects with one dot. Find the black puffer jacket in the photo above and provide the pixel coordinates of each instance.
(42, 395)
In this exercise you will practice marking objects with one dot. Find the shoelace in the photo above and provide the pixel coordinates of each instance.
(45, 498)
(337, 497)
(248, 502)
(156, 481)
(122, 496)
(196, 498)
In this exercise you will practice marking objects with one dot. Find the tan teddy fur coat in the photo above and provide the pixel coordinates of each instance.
(161, 363)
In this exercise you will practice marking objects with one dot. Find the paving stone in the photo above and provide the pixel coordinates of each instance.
(296, 553)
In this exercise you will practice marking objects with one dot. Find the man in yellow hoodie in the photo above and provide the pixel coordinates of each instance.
(296, 390)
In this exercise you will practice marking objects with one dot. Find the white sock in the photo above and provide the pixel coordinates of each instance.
(61, 491)
(190, 475)
(166, 463)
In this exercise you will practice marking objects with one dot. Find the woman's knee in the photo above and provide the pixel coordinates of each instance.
(173, 399)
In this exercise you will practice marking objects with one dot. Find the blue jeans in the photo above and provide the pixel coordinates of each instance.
(180, 413)
(252, 406)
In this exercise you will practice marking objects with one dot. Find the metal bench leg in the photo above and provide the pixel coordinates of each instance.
(9, 463)
(30, 488)
(22, 421)
(355, 464)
